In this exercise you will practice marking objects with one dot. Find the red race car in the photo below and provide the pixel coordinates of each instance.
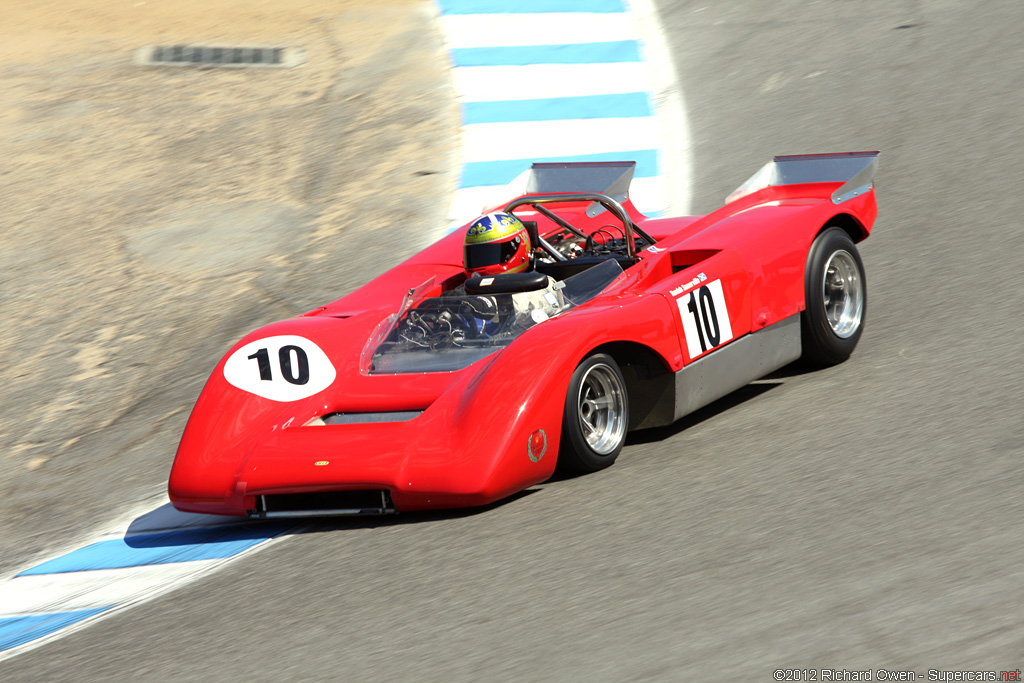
(536, 338)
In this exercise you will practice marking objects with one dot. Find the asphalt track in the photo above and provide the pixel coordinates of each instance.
(863, 517)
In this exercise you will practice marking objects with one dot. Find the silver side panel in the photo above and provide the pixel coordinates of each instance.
(737, 364)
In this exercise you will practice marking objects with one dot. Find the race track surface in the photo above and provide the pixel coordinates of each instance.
(861, 517)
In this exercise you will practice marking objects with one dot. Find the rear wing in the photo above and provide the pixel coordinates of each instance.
(856, 170)
(611, 178)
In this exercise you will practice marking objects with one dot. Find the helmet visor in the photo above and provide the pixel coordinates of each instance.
(489, 253)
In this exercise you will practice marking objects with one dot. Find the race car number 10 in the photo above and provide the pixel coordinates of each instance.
(705, 318)
(282, 368)
(299, 376)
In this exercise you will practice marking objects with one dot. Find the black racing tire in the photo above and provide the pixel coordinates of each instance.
(596, 416)
(836, 299)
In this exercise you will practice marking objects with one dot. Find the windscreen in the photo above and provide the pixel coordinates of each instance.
(450, 332)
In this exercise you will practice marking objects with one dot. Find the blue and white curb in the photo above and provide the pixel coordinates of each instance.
(564, 80)
(156, 553)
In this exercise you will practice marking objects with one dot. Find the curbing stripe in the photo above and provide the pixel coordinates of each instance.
(572, 53)
(540, 81)
(528, 6)
(91, 589)
(477, 30)
(15, 631)
(562, 138)
(646, 192)
(480, 173)
(166, 548)
(623, 105)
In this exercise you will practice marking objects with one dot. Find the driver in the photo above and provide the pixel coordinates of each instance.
(495, 244)
(499, 244)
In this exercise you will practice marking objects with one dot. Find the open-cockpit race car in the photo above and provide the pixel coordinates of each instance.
(427, 388)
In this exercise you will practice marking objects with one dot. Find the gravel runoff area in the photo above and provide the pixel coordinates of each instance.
(151, 216)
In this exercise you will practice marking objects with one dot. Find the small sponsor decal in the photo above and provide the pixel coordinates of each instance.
(321, 463)
(487, 282)
(537, 445)
(687, 286)
(492, 221)
(655, 250)
(480, 228)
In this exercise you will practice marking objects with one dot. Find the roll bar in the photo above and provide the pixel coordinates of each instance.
(536, 201)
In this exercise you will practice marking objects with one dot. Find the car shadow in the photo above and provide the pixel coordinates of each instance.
(331, 524)
(166, 527)
(741, 395)
(794, 369)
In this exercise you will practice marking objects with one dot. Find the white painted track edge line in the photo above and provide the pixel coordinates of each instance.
(74, 591)
(562, 137)
(555, 28)
(538, 81)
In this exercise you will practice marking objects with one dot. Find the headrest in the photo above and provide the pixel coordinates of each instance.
(507, 283)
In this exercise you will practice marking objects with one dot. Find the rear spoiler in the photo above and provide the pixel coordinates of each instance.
(611, 178)
(856, 170)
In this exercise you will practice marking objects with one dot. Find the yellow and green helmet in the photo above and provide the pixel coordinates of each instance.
(496, 243)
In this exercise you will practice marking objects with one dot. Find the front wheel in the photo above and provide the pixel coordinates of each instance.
(836, 299)
(595, 418)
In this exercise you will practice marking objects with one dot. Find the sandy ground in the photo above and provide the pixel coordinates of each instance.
(150, 216)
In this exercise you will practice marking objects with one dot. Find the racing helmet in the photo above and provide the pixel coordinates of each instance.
(496, 243)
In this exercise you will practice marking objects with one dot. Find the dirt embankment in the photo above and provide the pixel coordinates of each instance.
(150, 216)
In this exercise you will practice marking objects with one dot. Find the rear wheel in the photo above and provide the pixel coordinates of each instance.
(595, 418)
(836, 299)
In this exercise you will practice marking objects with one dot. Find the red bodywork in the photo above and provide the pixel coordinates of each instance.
(476, 439)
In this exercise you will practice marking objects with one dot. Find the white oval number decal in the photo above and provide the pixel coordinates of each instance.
(283, 368)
